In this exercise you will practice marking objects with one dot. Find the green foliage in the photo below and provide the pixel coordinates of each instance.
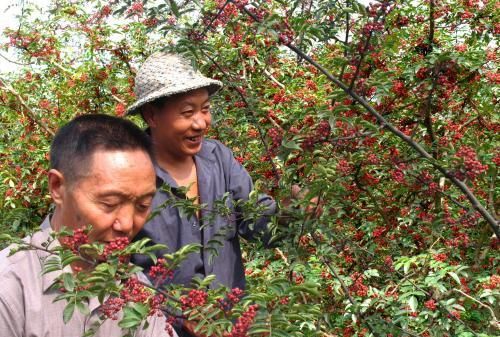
(379, 242)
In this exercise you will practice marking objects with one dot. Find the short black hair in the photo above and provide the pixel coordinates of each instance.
(75, 143)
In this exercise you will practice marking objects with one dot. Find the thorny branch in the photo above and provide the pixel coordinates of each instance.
(493, 223)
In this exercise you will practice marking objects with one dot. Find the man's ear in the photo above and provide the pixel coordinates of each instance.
(148, 113)
(57, 186)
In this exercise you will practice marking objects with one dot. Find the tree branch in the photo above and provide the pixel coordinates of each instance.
(493, 223)
(31, 114)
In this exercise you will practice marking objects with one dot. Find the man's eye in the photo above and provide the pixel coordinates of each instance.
(187, 113)
(108, 205)
(143, 207)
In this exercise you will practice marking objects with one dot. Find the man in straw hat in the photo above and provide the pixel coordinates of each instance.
(174, 100)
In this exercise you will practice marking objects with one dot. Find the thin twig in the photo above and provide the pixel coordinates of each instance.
(249, 112)
(18, 63)
(495, 323)
(32, 115)
(269, 75)
(207, 28)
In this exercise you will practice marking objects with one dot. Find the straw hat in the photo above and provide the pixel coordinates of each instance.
(164, 74)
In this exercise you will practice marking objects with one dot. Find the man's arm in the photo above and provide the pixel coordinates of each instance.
(240, 185)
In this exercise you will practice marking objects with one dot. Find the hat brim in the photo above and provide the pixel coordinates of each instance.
(212, 86)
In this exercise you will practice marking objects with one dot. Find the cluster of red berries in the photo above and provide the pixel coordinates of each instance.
(369, 179)
(323, 129)
(240, 3)
(136, 8)
(155, 304)
(358, 287)
(460, 239)
(160, 272)
(348, 258)
(472, 165)
(276, 136)
(371, 27)
(279, 97)
(221, 18)
(233, 297)
(494, 282)
(120, 109)
(104, 12)
(430, 304)
(304, 240)
(73, 242)
(248, 51)
(310, 84)
(398, 176)
(111, 307)
(389, 263)
(379, 231)
(440, 257)
(134, 291)
(195, 35)
(115, 245)
(378, 8)
(285, 300)
(297, 278)
(423, 73)
(195, 298)
(398, 87)
(344, 167)
(242, 325)
(151, 22)
(308, 143)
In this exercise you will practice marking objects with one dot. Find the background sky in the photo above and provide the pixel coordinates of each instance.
(9, 11)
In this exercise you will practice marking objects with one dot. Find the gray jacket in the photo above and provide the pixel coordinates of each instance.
(218, 172)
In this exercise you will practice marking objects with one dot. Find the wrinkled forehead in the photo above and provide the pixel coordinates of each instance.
(124, 168)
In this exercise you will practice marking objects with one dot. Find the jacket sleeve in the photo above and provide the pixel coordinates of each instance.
(240, 186)
(11, 317)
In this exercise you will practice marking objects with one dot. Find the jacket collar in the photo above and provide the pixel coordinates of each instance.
(203, 160)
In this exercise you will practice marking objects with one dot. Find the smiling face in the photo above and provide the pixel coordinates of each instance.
(179, 125)
(114, 196)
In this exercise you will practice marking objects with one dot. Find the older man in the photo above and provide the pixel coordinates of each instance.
(102, 175)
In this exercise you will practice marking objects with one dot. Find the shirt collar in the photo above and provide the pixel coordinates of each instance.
(39, 239)
(206, 153)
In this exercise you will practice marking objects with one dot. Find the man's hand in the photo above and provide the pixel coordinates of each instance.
(315, 206)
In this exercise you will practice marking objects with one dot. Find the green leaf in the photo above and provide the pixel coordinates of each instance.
(292, 145)
(82, 308)
(174, 8)
(70, 259)
(129, 322)
(68, 312)
(5, 237)
(413, 303)
(68, 281)
(455, 277)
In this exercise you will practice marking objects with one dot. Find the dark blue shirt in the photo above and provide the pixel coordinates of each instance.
(218, 172)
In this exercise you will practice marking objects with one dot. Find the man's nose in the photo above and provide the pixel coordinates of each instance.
(124, 221)
(199, 122)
